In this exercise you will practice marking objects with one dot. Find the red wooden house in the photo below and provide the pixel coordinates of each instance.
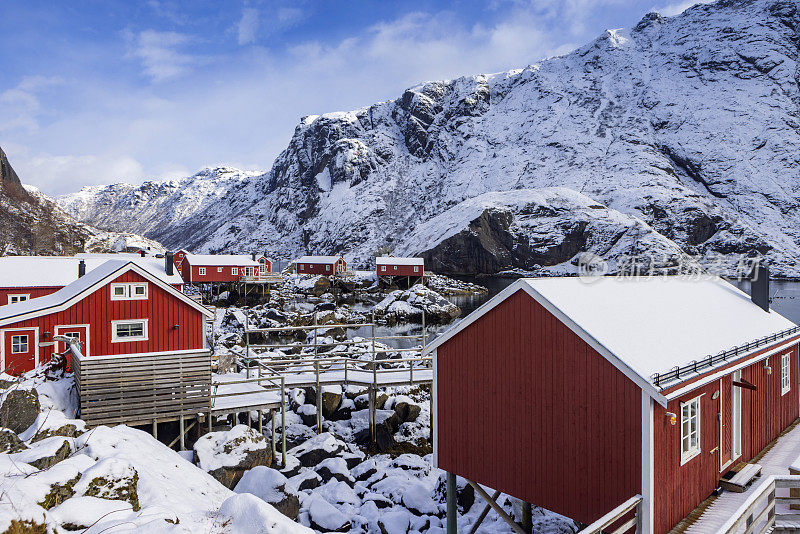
(393, 266)
(320, 265)
(216, 268)
(118, 308)
(577, 396)
(27, 277)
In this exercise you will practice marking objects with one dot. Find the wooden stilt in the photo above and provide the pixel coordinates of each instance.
(274, 446)
(260, 422)
(483, 515)
(527, 517)
(452, 526)
(497, 508)
(155, 429)
(182, 430)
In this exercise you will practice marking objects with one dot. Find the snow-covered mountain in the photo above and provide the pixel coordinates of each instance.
(688, 123)
(160, 210)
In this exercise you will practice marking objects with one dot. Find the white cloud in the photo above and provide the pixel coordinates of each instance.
(248, 25)
(677, 8)
(56, 174)
(160, 53)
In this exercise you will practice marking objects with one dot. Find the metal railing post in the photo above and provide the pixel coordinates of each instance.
(319, 398)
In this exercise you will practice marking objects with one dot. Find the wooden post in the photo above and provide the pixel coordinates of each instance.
(452, 526)
(155, 428)
(274, 446)
(210, 421)
(527, 517)
(183, 432)
(260, 421)
(373, 401)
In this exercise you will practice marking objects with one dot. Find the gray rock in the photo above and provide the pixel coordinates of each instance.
(19, 409)
(46, 462)
(270, 486)
(407, 412)
(252, 449)
(10, 442)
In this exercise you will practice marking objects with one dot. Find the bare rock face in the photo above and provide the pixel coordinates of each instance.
(7, 174)
(19, 410)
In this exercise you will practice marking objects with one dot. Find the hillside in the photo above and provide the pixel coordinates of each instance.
(31, 223)
(689, 124)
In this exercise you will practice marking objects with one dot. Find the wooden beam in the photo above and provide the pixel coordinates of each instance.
(745, 385)
(497, 508)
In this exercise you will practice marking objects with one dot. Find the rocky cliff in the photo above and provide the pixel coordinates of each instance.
(686, 124)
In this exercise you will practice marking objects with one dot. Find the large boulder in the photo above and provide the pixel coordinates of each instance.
(407, 412)
(19, 409)
(409, 306)
(226, 455)
(271, 486)
(111, 478)
(317, 449)
(325, 517)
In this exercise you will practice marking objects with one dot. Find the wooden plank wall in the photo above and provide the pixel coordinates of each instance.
(527, 407)
(139, 389)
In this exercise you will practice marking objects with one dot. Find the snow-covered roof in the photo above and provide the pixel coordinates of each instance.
(235, 260)
(393, 260)
(83, 286)
(649, 324)
(318, 259)
(58, 271)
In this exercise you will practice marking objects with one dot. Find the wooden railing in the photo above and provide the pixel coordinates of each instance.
(632, 505)
(760, 512)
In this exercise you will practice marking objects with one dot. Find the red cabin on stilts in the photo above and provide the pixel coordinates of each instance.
(578, 396)
(329, 265)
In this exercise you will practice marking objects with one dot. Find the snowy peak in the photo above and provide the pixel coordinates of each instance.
(687, 124)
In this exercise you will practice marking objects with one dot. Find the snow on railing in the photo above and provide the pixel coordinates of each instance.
(712, 360)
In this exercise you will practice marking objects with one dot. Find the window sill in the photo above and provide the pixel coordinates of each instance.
(688, 458)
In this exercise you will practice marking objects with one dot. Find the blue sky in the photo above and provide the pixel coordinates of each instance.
(100, 91)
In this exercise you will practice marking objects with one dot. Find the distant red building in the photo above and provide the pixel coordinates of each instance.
(584, 395)
(213, 268)
(117, 308)
(393, 266)
(320, 265)
(27, 277)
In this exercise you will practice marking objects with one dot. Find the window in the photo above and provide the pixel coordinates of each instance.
(234, 270)
(327, 267)
(202, 271)
(129, 291)
(395, 267)
(416, 268)
(249, 271)
(786, 373)
(219, 269)
(690, 429)
(302, 267)
(129, 330)
(17, 298)
(383, 267)
(19, 344)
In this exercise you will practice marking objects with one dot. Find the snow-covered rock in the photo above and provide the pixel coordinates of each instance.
(409, 305)
(270, 486)
(227, 455)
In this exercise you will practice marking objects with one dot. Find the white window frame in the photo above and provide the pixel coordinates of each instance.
(128, 339)
(786, 373)
(327, 267)
(395, 267)
(128, 291)
(302, 266)
(690, 450)
(416, 268)
(383, 268)
(219, 269)
(13, 298)
(235, 271)
(201, 271)
(19, 343)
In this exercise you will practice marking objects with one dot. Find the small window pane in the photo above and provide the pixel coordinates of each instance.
(19, 344)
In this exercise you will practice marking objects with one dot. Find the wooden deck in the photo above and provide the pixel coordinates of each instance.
(714, 512)
(141, 389)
